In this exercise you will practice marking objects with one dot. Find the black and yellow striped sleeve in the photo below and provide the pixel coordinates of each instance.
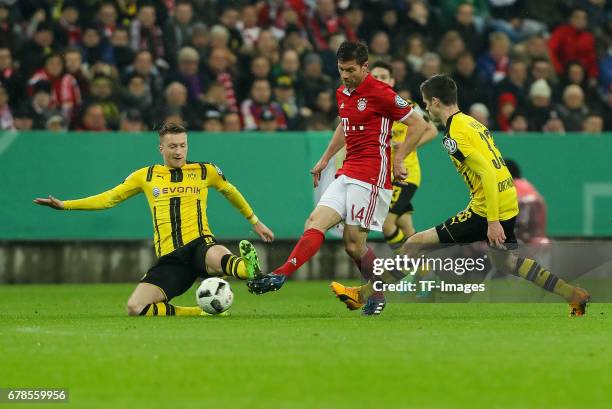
(217, 180)
(131, 186)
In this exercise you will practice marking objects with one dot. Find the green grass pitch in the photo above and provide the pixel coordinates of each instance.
(300, 348)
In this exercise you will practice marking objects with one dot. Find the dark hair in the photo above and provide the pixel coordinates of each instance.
(519, 61)
(171, 128)
(442, 87)
(576, 8)
(107, 3)
(52, 55)
(133, 75)
(71, 49)
(267, 81)
(230, 7)
(92, 104)
(132, 115)
(465, 54)
(353, 50)
(382, 64)
(539, 59)
(514, 168)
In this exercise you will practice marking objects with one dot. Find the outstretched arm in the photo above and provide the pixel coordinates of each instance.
(104, 200)
(336, 143)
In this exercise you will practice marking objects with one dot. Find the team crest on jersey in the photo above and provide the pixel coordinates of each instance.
(450, 145)
(156, 192)
(362, 104)
(401, 102)
(342, 105)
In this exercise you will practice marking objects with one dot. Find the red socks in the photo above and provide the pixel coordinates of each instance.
(366, 267)
(307, 246)
(310, 243)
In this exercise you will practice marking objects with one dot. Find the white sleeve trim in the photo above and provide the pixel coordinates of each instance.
(407, 115)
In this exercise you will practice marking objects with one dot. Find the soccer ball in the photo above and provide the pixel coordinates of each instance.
(214, 295)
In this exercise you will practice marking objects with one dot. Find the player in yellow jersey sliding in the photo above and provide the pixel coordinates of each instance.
(490, 215)
(186, 249)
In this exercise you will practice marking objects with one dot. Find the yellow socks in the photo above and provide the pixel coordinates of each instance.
(234, 266)
(530, 270)
(164, 308)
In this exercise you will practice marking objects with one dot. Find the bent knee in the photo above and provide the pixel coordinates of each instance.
(389, 227)
(354, 250)
(311, 222)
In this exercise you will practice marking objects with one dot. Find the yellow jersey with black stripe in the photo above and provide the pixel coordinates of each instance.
(177, 199)
(411, 161)
(474, 154)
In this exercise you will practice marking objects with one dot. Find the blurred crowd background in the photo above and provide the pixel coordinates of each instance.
(227, 66)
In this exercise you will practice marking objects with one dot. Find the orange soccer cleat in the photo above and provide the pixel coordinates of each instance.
(578, 302)
(348, 295)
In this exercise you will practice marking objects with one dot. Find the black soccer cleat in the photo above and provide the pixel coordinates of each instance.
(266, 283)
(374, 306)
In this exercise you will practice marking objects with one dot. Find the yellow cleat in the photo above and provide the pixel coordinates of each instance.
(348, 295)
(578, 302)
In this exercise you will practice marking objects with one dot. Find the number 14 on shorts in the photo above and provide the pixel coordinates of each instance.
(358, 215)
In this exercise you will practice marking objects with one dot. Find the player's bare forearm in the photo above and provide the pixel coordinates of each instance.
(336, 143)
(430, 133)
(416, 129)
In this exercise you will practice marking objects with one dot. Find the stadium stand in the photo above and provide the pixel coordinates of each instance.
(537, 66)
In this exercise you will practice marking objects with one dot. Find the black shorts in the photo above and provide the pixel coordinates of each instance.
(468, 227)
(401, 200)
(174, 273)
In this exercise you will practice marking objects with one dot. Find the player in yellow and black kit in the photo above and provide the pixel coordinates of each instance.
(186, 248)
(490, 215)
(398, 224)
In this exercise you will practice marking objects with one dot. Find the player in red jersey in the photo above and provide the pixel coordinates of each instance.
(361, 193)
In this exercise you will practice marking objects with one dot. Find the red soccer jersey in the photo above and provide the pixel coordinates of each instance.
(367, 114)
